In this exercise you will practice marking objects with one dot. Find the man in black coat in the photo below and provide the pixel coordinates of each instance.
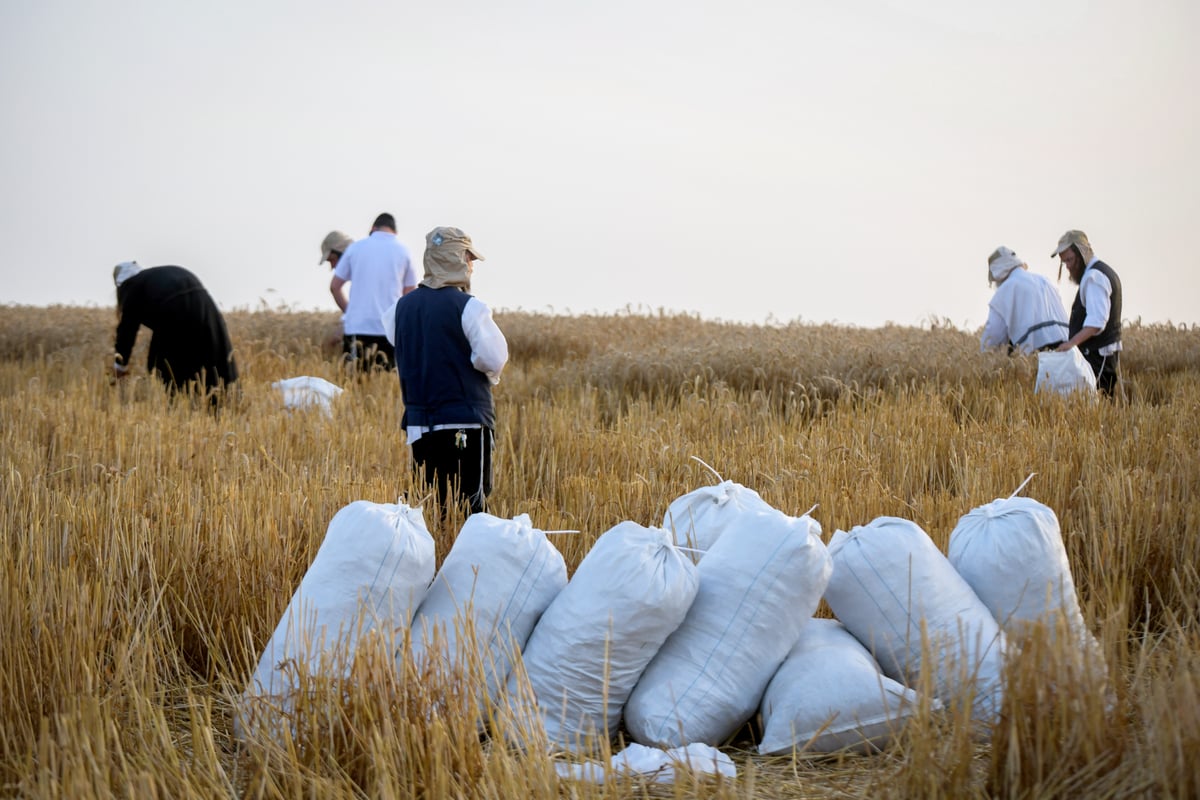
(190, 345)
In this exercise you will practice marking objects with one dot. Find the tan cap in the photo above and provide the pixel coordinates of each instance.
(334, 240)
(446, 258)
(1069, 238)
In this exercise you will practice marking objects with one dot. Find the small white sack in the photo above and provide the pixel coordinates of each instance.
(589, 649)
(652, 764)
(830, 695)
(495, 582)
(1011, 552)
(889, 581)
(760, 582)
(371, 572)
(1064, 373)
(699, 517)
(307, 391)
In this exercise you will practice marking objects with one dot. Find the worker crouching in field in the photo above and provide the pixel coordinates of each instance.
(189, 347)
(449, 353)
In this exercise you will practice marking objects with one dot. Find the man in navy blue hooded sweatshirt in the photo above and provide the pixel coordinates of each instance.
(449, 353)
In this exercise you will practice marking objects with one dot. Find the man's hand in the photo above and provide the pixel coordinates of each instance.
(1064, 347)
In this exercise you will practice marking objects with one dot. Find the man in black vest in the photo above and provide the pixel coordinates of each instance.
(449, 353)
(1095, 323)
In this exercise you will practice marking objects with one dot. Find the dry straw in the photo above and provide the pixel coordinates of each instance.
(150, 548)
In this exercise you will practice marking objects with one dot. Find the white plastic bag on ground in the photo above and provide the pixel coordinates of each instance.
(371, 572)
(830, 695)
(1011, 553)
(699, 517)
(890, 585)
(760, 582)
(587, 651)
(493, 586)
(652, 764)
(1064, 373)
(307, 391)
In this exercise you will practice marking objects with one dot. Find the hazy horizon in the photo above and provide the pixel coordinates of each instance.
(851, 163)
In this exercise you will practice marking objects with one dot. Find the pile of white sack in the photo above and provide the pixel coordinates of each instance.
(684, 633)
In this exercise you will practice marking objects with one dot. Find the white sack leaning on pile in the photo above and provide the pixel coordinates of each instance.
(1011, 552)
(890, 585)
(700, 517)
(496, 581)
(760, 582)
(371, 572)
(587, 651)
(829, 695)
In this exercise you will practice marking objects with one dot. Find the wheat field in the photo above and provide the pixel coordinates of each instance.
(151, 546)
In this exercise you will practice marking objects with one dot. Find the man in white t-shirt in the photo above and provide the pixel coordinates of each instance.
(381, 271)
(1026, 312)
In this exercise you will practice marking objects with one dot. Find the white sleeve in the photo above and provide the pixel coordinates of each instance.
(1097, 298)
(388, 319)
(489, 348)
(408, 276)
(995, 332)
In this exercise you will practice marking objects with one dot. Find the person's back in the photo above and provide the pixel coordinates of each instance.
(376, 267)
(1034, 310)
(377, 271)
(1025, 312)
(449, 353)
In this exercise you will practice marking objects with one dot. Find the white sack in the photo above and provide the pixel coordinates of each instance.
(652, 764)
(1064, 373)
(587, 651)
(830, 695)
(699, 517)
(1011, 552)
(493, 586)
(889, 580)
(371, 572)
(307, 391)
(760, 582)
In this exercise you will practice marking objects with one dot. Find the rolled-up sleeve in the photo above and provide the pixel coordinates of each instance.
(489, 348)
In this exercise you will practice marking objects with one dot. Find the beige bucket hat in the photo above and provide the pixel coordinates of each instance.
(448, 254)
(1077, 238)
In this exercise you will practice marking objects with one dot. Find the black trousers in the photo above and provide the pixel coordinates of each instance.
(458, 463)
(368, 352)
(1105, 368)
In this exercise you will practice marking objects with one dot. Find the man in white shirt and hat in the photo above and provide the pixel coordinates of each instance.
(1025, 312)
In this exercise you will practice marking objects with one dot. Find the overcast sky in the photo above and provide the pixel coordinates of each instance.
(851, 161)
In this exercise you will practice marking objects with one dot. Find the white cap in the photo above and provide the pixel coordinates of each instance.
(124, 271)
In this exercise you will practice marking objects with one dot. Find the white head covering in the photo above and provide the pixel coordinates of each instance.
(124, 271)
(1001, 262)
